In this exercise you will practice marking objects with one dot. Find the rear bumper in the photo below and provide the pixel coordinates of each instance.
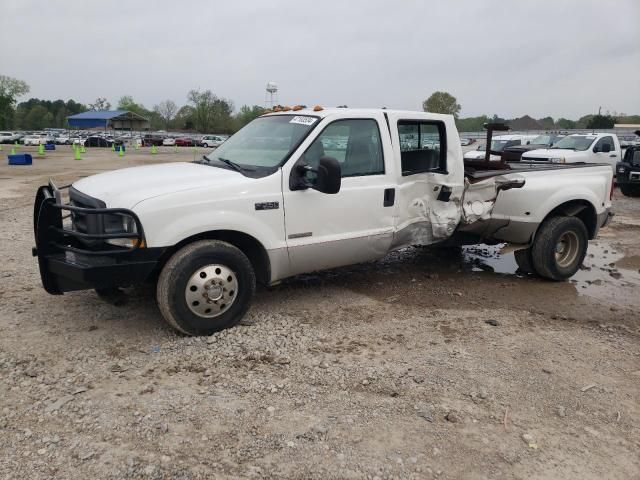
(71, 260)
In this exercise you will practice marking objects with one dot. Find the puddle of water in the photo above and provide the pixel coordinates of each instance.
(597, 278)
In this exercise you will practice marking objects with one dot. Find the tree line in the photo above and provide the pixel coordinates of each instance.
(204, 111)
(444, 102)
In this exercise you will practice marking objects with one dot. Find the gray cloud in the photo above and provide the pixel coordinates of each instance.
(563, 57)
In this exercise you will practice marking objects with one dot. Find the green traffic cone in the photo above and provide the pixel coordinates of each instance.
(154, 150)
(113, 147)
(41, 149)
(175, 148)
(13, 150)
(121, 151)
(82, 149)
(77, 156)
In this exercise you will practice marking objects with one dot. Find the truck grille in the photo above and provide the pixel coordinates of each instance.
(534, 159)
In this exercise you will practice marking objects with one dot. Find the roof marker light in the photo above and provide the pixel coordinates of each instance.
(317, 108)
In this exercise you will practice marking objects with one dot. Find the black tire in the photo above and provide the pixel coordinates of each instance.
(524, 260)
(183, 267)
(566, 233)
(205, 145)
(630, 190)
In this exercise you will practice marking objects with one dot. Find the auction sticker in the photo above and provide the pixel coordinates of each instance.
(303, 120)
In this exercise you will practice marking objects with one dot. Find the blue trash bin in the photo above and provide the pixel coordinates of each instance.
(50, 146)
(20, 159)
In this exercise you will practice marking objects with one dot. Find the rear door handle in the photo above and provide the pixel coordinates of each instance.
(389, 197)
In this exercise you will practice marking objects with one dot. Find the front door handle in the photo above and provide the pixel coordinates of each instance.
(613, 155)
(389, 197)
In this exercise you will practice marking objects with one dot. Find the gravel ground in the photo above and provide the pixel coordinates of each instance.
(422, 365)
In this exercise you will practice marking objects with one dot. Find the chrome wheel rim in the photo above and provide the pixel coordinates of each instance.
(211, 290)
(567, 249)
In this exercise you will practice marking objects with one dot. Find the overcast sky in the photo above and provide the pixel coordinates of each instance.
(563, 58)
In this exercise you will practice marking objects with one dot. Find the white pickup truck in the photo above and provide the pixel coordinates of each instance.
(580, 148)
(305, 190)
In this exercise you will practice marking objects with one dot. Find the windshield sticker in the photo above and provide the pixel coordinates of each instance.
(303, 120)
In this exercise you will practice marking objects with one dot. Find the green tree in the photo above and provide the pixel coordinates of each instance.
(10, 90)
(211, 113)
(127, 102)
(442, 102)
(36, 117)
(601, 121)
(166, 110)
(184, 118)
(101, 103)
(471, 124)
(247, 113)
(566, 123)
(547, 122)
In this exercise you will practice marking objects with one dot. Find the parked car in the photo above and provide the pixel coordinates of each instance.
(62, 139)
(152, 139)
(628, 170)
(513, 153)
(9, 137)
(169, 142)
(467, 141)
(97, 141)
(208, 230)
(211, 141)
(37, 139)
(580, 148)
(498, 144)
(185, 142)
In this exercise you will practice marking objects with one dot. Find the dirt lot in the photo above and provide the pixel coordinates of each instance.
(418, 366)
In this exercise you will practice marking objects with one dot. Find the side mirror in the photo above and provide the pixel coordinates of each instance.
(606, 148)
(328, 176)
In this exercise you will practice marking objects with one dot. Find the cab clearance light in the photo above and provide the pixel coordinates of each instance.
(317, 108)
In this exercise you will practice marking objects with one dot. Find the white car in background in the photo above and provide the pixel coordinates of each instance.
(37, 139)
(580, 148)
(169, 142)
(209, 141)
(498, 144)
(63, 139)
(9, 137)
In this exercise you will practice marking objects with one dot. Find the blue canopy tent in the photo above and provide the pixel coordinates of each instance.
(116, 119)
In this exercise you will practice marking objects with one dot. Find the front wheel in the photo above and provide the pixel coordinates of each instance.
(559, 248)
(205, 145)
(205, 287)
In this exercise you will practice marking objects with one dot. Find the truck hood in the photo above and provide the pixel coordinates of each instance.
(478, 155)
(127, 187)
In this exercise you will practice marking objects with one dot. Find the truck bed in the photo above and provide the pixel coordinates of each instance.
(476, 174)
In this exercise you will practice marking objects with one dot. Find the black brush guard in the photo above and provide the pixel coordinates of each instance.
(70, 260)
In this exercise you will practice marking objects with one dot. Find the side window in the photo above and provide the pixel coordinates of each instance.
(423, 147)
(605, 141)
(356, 144)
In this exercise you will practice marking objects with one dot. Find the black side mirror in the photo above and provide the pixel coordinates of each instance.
(328, 176)
(606, 148)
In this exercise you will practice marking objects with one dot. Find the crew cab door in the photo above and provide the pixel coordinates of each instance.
(431, 178)
(356, 224)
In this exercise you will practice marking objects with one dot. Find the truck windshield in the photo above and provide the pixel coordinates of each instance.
(542, 140)
(265, 142)
(498, 145)
(575, 143)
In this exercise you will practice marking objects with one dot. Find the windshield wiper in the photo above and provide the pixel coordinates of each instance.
(234, 165)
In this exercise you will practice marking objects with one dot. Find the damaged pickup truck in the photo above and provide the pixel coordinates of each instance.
(303, 190)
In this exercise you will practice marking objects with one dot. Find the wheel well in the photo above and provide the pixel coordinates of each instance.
(581, 209)
(251, 247)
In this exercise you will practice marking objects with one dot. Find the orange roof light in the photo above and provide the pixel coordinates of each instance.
(286, 108)
(297, 107)
(317, 108)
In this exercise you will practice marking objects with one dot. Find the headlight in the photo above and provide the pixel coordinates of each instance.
(557, 160)
(120, 224)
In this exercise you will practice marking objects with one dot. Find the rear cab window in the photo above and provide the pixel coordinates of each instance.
(423, 146)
